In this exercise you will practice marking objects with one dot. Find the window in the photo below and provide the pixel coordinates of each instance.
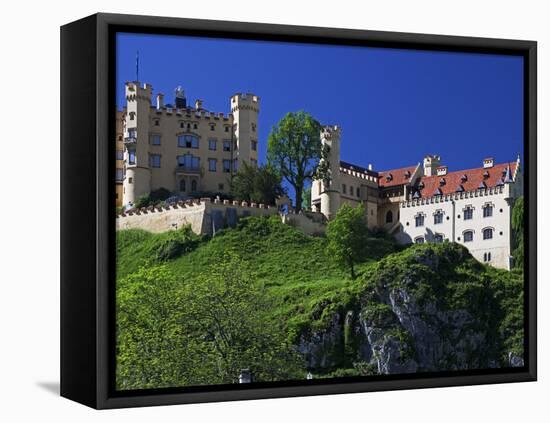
(132, 157)
(344, 188)
(438, 218)
(468, 236)
(181, 125)
(358, 192)
(350, 190)
(132, 133)
(189, 161)
(120, 155)
(488, 233)
(419, 220)
(154, 160)
(486, 257)
(468, 213)
(227, 166)
(254, 145)
(188, 141)
(212, 126)
(155, 139)
(119, 174)
(419, 240)
(182, 185)
(132, 115)
(194, 126)
(488, 210)
(130, 180)
(254, 162)
(157, 122)
(226, 129)
(212, 144)
(253, 127)
(438, 238)
(212, 165)
(389, 216)
(226, 145)
(235, 165)
(194, 185)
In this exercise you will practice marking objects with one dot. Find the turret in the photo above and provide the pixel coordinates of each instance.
(245, 109)
(137, 181)
(431, 163)
(330, 195)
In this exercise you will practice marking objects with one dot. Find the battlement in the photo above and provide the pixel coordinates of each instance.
(329, 132)
(245, 101)
(456, 196)
(191, 113)
(135, 91)
(365, 175)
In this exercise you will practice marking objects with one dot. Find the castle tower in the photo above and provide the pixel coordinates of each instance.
(430, 164)
(330, 195)
(245, 109)
(137, 180)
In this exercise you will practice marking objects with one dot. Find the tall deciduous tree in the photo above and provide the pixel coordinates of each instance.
(348, 236)
(518, 225)
(294, 150)
(258, 184)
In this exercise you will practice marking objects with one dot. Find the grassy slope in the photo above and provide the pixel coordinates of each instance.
(292, 266)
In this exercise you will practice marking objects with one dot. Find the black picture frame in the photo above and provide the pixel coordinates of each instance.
(87, 208)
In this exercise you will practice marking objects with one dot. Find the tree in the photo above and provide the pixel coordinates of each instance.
(518, 226)
(348, 237)
(199, 331)
(306, 198)
(294, 150)
(257, 184)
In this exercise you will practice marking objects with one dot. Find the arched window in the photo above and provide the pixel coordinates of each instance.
(438, 238)
(419, 240)
(438, 217)
(182, 185)
(488, 210)
(468, 236)
(419, 220)
(389, 217)
(488, 233)
(193, 185)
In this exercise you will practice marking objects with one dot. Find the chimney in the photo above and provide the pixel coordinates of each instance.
(160, 101)
(441, 170)
(488, 162)
(198, 104)
(369, 167)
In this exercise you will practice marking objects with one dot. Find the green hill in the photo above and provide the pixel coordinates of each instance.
(267, 297)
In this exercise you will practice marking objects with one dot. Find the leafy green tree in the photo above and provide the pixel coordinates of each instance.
(306, 198)
(348, 237)
(294, 150)
(153, 198)
(518, 226)
(204, 330)
(258, 184)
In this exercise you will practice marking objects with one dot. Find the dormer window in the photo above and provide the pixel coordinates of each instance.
(486, 174)
(442, 181)
(482, 185)
(438, 192)
(464, 178)
(407, 174)
(460, 188)
(421, 185)
(389, 177)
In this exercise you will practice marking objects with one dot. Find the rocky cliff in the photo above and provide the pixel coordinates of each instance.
(427, 308)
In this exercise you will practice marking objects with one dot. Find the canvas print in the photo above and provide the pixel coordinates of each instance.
(293, 212)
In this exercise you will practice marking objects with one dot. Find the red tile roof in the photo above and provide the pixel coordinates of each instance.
(398, 176)
(474, 178)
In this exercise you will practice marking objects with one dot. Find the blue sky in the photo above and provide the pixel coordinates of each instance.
(394, 106)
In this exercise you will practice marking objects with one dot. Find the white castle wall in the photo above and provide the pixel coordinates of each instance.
(454, 225)
(206, 217)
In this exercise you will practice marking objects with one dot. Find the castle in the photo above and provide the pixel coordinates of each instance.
(189, 150)
(425, 202)
(181, 148)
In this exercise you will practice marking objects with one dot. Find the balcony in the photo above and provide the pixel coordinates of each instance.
(130, 139)
(187, 170)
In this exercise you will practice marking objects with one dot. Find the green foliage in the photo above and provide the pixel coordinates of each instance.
(294, 150)
(153, 198)
(257, 184)
(347, 235)
(306, 198)
(518, 226)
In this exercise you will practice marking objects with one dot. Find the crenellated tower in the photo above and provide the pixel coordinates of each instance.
(330, 195)
(137, 180)
(245, 109)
